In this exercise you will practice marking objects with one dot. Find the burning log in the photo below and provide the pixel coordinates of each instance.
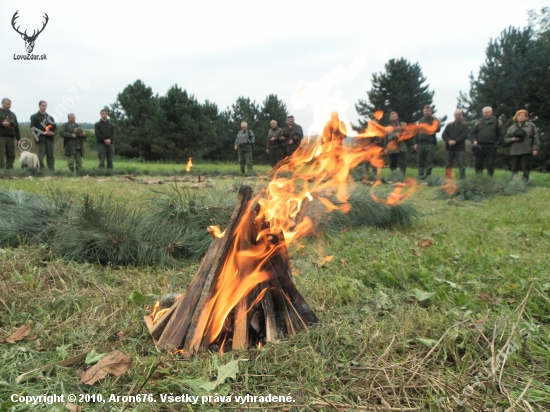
(242, 295)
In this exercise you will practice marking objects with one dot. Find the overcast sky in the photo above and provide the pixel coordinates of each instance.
(219, 51)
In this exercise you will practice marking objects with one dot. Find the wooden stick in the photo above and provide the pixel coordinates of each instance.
(200, 316)
(177, 325)
(269, 311)
(242, 316)
(158, 327)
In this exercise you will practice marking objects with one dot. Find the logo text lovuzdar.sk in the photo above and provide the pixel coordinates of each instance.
(29, 39)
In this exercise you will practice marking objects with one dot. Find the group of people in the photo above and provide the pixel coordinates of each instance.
(44, 128)
(280, 143)
(486, 135)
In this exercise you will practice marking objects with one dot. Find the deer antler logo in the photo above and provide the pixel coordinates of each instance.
(29, 40)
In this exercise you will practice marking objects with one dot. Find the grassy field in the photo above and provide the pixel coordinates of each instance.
(451, 314)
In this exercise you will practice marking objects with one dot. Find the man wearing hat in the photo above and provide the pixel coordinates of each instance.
(486, 135)
(9, 133)
(523, 138)
(73, 142)
(291, 137)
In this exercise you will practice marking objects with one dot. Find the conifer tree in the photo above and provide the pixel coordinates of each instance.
(401, 88)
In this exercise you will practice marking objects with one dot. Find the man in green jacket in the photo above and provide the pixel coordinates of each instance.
(73, 142)
(43, 128)
(104, 134)
(397, 150)
(486, 134)
(425, 144)
(292, 136)
(9, 134)
(455, 135)
(273, 146)
(243, 143)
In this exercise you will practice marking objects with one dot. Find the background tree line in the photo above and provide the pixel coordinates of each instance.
(515, 75)
(177, 126)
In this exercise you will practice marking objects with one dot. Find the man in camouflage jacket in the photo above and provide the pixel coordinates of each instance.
(487, 134)
(273, 145)
(73, 142)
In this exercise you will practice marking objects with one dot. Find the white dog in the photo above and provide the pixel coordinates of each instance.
(29, 159)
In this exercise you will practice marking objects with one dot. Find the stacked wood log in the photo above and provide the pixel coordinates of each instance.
(272, 309)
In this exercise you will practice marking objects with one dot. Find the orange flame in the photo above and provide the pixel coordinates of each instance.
(316, 170)
(189, 165)
(157, 313)
(216, 232)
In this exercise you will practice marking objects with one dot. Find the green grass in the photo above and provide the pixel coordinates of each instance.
(384, 303)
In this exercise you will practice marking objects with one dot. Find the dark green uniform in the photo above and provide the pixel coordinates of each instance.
(8, 135)
(273, 145)
(244, 142)
(521, 152)
(427, 144)
(74, 146)
(44, 144)
(397, 154)
(104, 130)
(294, 133)
(487, 133)
(457, 131)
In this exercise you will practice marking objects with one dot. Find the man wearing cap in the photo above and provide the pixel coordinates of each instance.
(486, 135)
(426, 143)
(43, 128)
(291, 137)
(73, 142)
(455, 135)
(9, 133)
(243, 143)
(273, 146)
(523, 138)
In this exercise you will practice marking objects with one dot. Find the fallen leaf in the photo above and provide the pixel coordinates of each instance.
(421, 295)
(94, 357)
(426, 242)
(73, 408)
(136, 297)
(20, 333)
(229, 370)
(116, 363)
(415, 252)
(427, 342)
(38, 346)
(328, 258)
(486, 297)
(344, 262)
(511, 301)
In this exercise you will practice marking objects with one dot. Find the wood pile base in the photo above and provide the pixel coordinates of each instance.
(270, 310)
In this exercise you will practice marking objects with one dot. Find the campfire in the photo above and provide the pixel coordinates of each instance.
(243, 293)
